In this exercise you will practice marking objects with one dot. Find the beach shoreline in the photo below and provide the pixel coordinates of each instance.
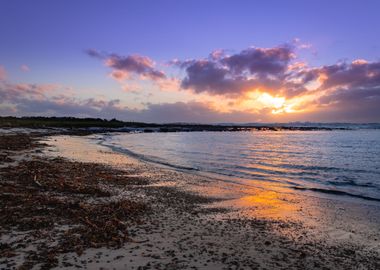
(174, 220)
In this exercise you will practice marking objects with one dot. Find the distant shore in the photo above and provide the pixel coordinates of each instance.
(67, 202)
(103, 125)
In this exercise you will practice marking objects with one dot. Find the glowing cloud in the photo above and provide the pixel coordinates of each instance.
(260, 81)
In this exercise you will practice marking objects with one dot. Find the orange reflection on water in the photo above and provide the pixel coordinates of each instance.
(264, 200)
(267, 201)
(269, 204)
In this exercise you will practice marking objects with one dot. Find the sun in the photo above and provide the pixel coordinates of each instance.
(277, 104)
(270, 101)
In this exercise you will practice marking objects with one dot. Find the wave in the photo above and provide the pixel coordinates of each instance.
(334, 171)
(321, 168)
(350, 182)
(149, 159)
(337, 192)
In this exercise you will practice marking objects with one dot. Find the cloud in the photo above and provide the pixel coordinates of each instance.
(275, 71)
(95, 53)
(42, 99)
(131, 87)
(301, 45)
(169, 84)
(125, 66)
(338, 90)
(194, 112)
(24, 68)
(135, 64)
(234, 85)
(352, 104)
(220, 74)
(217, 54)
(13, 92)
(35, 100)
(233, 75)
(208, 76)
(351, 96)
(74, 107)
(357, 74)
(3, 73)
(32, 99)
(260, 61)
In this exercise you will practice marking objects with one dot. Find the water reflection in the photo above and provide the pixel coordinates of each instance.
(317, 160)
(267, 200)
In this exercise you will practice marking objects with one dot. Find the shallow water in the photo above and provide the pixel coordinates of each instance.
(338, 163)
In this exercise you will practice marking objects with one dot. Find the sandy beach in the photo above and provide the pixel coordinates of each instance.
(68, 202)
(198, 134)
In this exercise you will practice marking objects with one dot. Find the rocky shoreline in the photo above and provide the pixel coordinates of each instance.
(61, 213)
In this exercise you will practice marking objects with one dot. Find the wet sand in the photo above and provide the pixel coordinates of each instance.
(166, 219)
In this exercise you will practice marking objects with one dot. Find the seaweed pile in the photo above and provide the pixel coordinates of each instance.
(55, 206)
(59, 213)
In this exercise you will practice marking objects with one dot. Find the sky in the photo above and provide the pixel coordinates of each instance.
(191, 61)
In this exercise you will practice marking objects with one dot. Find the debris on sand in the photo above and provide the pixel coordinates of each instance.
(14, 142)
(67, 214)
(53, 205)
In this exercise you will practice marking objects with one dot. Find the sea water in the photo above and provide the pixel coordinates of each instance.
(339, 162)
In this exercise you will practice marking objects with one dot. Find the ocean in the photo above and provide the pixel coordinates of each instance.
(338, 163)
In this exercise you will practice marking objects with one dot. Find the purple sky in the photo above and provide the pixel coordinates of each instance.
(191, 61)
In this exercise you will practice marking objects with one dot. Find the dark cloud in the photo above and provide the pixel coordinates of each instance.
(349, 91)
(259, 61)
(31, 100)
(359, 73)
(222, 74)
(351, 96)
(137, 64)
(364, 110)
(190, 112)
(95, 53)
(124, 66)
(346, 91)
(355, 105)
(208, 76)
(271, 70)
(352, 91)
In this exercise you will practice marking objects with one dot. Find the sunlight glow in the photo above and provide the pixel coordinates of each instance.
(270, 101)
(284, 109)
(277, 104)
(258, 100)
